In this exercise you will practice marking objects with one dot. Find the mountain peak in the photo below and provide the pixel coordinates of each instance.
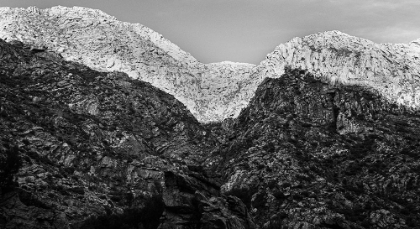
(391, 69)
(215, 91)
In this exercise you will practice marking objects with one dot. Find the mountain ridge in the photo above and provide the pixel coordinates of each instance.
(204, 88)
(88, 149)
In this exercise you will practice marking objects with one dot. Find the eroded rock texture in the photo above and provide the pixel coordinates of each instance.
(332, 143)
(100, 150)
(391, 69)
(306, 154)
(88, 149)
(212, 92)
(101, 42)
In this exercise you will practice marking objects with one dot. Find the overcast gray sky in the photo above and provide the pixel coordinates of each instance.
(246, 30)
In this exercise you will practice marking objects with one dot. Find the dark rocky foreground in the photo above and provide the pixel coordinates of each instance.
(86, 149)
(99, 150)
(307, 154)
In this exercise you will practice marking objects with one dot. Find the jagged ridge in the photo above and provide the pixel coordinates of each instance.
(213, 92)
(131, 48)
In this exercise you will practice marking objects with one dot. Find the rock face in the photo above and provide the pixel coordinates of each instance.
(87, 149)
(308, 154)
(392, 69)
(212, 92)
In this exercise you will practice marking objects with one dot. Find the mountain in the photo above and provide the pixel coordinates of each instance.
(87, 149)
(309, 154)
(392, 69)
(111, 45)
(212, 92)
(324, 133)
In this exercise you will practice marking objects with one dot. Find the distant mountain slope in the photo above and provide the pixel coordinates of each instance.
(213, 92)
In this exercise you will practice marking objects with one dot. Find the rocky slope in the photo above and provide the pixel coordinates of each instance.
(332, 143)
(308, 154)
(392, 69)
(212, 92)
(87, 149)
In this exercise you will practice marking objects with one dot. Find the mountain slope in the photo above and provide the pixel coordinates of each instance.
(332, 142)
(308, 154)
(88, 149)
(99, 41)
(212, 92)
(392, 69)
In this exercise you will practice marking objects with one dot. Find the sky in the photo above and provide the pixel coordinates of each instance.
(247, 30)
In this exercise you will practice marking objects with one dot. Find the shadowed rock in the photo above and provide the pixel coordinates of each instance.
(309, 154)
(99, 150)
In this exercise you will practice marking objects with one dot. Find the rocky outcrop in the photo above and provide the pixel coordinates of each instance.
(308, 154)
(219, 85)
(392, 69)
(87, 149)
